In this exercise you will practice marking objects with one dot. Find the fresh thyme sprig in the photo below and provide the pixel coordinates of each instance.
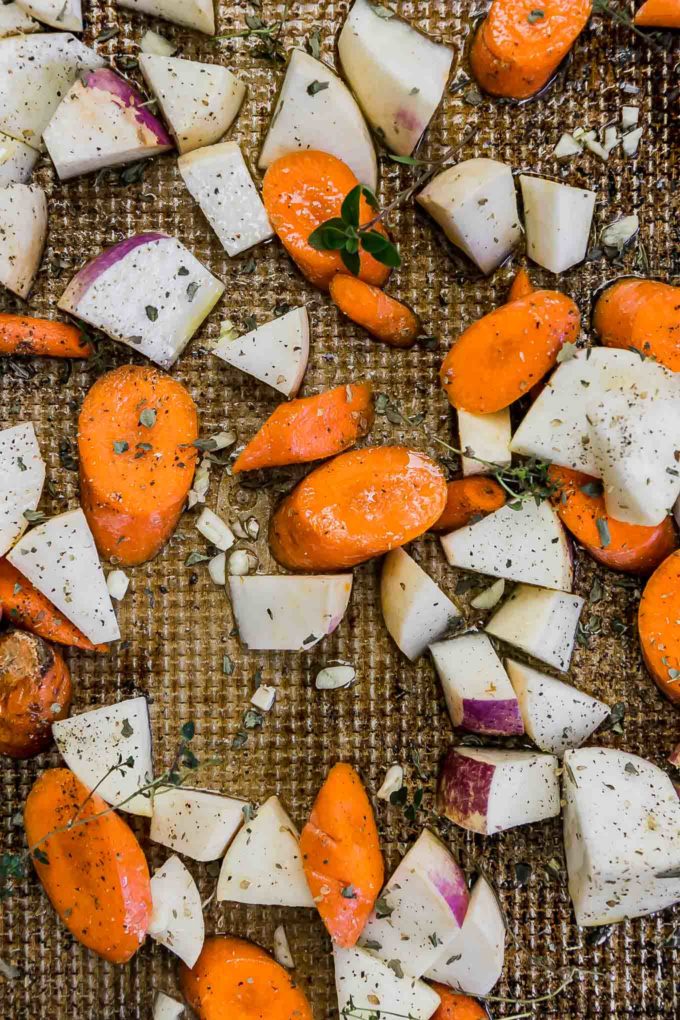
(267, 34)
(616, 14)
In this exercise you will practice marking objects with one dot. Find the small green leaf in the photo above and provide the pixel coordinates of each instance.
(188, 730)
(316, 86)
(41, 856)
(126, 729)
(388, 254)
(603, 531)
(195, 557)
(328, 238)
(351, 261)
(351, 206)
(120, 446)
(151, 313)
(148, 417)
(382, 12)
(594, 489)
(374, 242)
(191, 290)
(406, 160)
(535, 15)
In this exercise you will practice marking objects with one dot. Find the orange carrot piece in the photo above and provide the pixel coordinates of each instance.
(468, 499)
(22, 334)
(382, 316)
(95, 874)
(341, 855)
(35, 689)
(497, 359)
(457, 1007)
(361, 504)
(236, 980)
(643, 315)
(521, 286)
(658, 629)
(136, 432)
(311, 428)
(659, 14)
(301, 191)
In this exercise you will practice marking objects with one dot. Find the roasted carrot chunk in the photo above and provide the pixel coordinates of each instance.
(382, 316)
(457, 1007)
(35, 689)
(642, 315)
(659, 14)
(22, 334)
(468, 499)
(521, 286)
(658, 627)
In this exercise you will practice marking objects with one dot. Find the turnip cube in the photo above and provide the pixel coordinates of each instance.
(65, 15)
(478, 692)
(197, 823)
(487, 436)
(415, 609)
(287, 613)
(15, 21)
(473, 962)
(21, 481)
(488, 790)
(275, 353)
(23, 229)
(541, 622)
(177, 915)
(557, 220)
(369, 987)
(16, 160)
(167, 1008)
(621, 836)
(198, 14)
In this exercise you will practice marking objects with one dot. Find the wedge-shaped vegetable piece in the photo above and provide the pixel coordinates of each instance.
(21, 481)
(415, 609)
(398, 74)
(367, 984)
(475, 204)
(557, 220)
(109, 749)
(198, 14)
(427, 895)
(167, 1008)
(66, 15)
(621, 835)
(16, 159)
(148, 291)
(520, 544)
(60, 559)
(15, 21)
(220, 181)
(488, 790)
(326, 119)
(263, 864)
(275, 353)
(197, 823)
(177, 914)
(487, 436)
(286, 613)
(540, 621)
(199, 101)
(473, 962)
(478, 692)
(658, 626)
(23, 229)
(556, 716)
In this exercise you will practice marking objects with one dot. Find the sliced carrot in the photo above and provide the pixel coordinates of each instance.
(468, 499)
(341, 855)
(361, 504)
(303, 190)
(643, 315)
(95, 874)
(659, 14)
(136, 433)
(236, 980)
(382, 316)
(22, 334)
(35, 689)
(658, 626)
(500, 357)
(521, 286)
(520, 45)
(457, 1007)
(311, 428)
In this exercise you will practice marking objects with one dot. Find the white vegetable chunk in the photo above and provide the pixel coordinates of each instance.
(198, 14)
(631, 141)
(393, 781)
(275, 353)
(621, 835)
(372, 987)
(94, 743)
(217, 568)
(167, 1008)
(263, 865)
(282, 953)
(557, 219)
(327, 119)
(60, 558)
(415, 609)
(540, 621)
(15, 21)
(197, 823)
(158, 45)
(117, 583)
(215, 529)
(66, 15)
(490, 597)
(487, 436)
(288, 613)
(475, 203)
(17, 160)
(21, 481)
(264, 698)
(177, 915)
(23, 229)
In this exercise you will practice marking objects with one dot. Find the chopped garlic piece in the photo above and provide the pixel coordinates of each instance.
(217, 568)
(282, 953)
(567, 146)
(591, 143)
(215, 530)
(117, 583)
(631, 141)
(264, 697)
(629, 116)
(394, 780)
(332, 678)
(611, 138)
(199, 489)
(241, 562)
(490, 597)
(157, 44)
(618, 234)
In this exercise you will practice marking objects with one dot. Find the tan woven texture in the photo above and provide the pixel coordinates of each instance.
(177, 625)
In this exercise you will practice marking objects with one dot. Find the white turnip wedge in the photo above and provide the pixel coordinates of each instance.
(66, 15)
(275, 353)
(621, 835)
(540, 621)
(487, 436)
(369, 987)
(415, 609)
(398, 74)
(263, 865)
(219, 179)
(197, 823)
(524, 544)
(316, 110)
(23, 229)
(15, 21)
(490, 790)
(478, 692)
(16, 160)
(199, 101)
(21, 481)
(278, 612)
(426, 896)
(198, 14)
(557, 220)
(177, 915)
(148, 291)
(60, 559)
(167, 1008)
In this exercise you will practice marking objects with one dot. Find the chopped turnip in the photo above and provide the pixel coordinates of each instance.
(398, 74)
(197, 823)
(23, 229)
(66, 15)
(557, 220)
(156, 44)
(621, 836)
(109, 749)
(540, 621)
(415, 609)
(287, 613)
(263, 865)
(199, 101)
(198, 14)
(556, 716)
(475, 203)
(520, 544)
(220, 181)
(275, 353)
(478, 692)
(369, 987)
(421, 908)
(487, 436)
(489, 790)
(473, 962)
(15, 21)
(21, 481)
(60, 559)
(148, 291)
(16, 160)
(327, 118)
(103, 121)
(177, 915)
(167, 1008)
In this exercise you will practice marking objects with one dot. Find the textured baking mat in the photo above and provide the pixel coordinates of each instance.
(177, 625)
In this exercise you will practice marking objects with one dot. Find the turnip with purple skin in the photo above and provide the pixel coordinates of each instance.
(541, 622)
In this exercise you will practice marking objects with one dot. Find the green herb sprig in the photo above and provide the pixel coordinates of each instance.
(268, 35)
(623, 18)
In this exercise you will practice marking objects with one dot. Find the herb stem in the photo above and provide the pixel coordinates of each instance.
(602, 7)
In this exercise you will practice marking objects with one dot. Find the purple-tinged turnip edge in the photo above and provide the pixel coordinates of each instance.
(674, 756)
(500, 717)
(108, 81)
(454, 890)
(97, 266)
(464, 789)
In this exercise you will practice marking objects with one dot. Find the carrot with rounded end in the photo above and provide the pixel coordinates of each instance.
(497, 359)
(457, 1007)
(382, 316)
(341, 855)
(35, 689)
(659, 14)
(22, 334)
(468, 499)
(361, 504)
(95, 873)
(300, 192)
(642, 315)
(236, 980)
(311, 428)
(136, 433)
(658, 629)
(521, 286)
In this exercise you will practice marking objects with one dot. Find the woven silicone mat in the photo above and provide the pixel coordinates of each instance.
(179, 647)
